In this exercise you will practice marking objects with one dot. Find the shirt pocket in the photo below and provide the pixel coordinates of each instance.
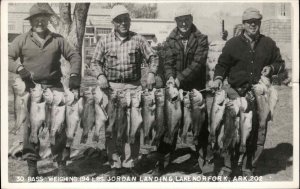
(111, 59)
(134, 56)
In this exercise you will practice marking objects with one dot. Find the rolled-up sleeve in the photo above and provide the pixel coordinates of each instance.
(97, 60)
(149, 54)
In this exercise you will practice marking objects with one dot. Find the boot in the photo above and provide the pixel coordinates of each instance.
(62, 169)
(32, 168)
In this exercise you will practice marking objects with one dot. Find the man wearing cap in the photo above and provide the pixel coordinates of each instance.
(185, 54)
(39, 51)
(243, 60)
(119, 56)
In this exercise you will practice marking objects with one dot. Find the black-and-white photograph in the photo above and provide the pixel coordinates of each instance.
(202, 93)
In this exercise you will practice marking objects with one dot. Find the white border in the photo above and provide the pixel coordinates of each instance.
(274, 184)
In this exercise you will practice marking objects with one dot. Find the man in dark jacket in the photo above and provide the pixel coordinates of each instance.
(40, 51)
(185, 54)
(243, 60)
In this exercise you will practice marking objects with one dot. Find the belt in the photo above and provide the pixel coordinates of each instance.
(123, 80)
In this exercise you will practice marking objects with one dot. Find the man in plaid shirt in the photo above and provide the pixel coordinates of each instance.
(118, 57)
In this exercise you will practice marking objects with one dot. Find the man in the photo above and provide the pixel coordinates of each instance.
(243, 60)
(119, 57)
(185, 57)
(40, 51)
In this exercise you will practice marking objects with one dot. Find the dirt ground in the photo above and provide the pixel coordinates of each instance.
(275, 164)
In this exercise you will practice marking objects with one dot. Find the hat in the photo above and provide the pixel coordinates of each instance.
(251, 13)
(182, 11)
(117, 11)
(36, 10)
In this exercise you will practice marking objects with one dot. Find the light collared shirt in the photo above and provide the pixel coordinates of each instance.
(121, 60)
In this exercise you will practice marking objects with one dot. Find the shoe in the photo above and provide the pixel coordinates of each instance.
(225, 172)
(247, 173)
(62, 169)
(209, 174)
(32, 168)
(158, 170)
(114, 172)
(130, 172)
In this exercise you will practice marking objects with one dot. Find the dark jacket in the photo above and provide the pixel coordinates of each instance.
(188, 66)
(42, 61)
(242, 65)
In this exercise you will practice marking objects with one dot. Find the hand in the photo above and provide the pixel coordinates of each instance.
(74, 82)
(177, 83)
(266, 71)
(150, 81)
(103, 83)
(26, 77)
(217, 84)
(170, 81)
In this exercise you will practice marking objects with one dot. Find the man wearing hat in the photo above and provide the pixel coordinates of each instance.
(118, 57)
(40, 51)
(185, 54)
(243, 60)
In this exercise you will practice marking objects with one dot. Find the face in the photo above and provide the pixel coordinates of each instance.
(252, 27)
(122, 24)
(39, 23)
(184, 23)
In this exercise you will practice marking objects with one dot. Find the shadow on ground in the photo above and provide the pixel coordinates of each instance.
(275, 159)
(184, 161)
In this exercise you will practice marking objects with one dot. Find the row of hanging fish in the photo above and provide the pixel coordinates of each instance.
(231, 120)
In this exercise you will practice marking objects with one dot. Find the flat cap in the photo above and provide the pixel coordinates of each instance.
(117, 11)
(251, 13)
(182, 11)
(37, 10)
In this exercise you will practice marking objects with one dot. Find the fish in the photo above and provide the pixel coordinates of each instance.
(273, 100)
(73, 119)
(36, 108)
(198, 113)
(187, 117)
(21, 100)
(48, 97)
(121, 119)
(245, 124)
(261, 93)
(173, 112)
(101, 101)
(112, 113)
(160, 121)
(148, 114)
(88, 114)
(231, 124)
(136, 119)
(58, 115)
(216, 115)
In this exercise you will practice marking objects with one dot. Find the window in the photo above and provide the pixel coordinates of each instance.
(11, 27)
(26, 28)
(90, 30)
(102, 31)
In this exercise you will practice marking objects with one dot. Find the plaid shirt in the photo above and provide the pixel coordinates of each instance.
(121, 60)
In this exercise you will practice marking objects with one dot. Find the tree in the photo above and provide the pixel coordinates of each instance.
(72, 29)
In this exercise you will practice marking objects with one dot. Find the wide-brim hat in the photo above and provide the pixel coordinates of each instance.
(37, 10)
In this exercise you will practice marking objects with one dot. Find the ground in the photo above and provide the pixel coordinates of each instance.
(275, 164)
